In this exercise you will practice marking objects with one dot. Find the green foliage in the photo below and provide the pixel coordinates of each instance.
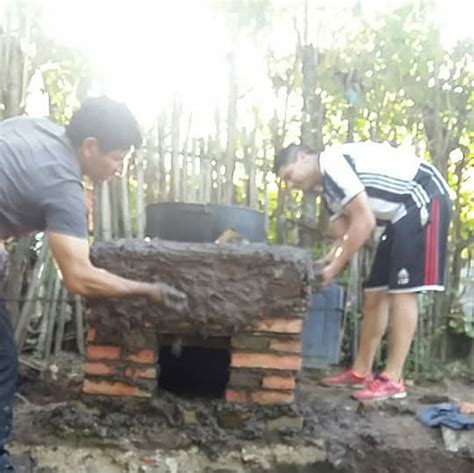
(66, 72)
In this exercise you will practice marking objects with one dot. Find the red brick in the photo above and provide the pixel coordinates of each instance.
(107, 388)
(266, 361)
(272, 397)
(279, 325)
(133, 372)
(103, 352)
(232, 395)
(286, 383)
(100, 369)
(290, 346)
(91, 334)
(144, 356)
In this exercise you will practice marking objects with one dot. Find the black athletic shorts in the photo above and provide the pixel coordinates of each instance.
(411, 254)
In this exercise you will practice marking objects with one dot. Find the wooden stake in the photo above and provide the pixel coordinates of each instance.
(52, 318)
(106, 212)
(36, 281)
(79, 313)
(63, 312)
(140, 195)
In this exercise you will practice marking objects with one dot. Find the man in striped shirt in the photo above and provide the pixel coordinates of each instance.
(364, 184)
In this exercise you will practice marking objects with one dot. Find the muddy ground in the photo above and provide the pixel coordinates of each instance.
(59, 431)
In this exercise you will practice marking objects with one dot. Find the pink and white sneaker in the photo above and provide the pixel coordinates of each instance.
(346, 379)
(380, 389)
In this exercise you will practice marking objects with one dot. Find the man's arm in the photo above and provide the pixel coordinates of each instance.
(338, 228)
(80, 276)
(360, 222)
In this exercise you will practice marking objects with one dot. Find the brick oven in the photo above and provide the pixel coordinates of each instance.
(240, 341)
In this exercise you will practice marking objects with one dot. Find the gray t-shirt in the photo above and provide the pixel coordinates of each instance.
(40, 180)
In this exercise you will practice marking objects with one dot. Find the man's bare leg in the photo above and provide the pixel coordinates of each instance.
(373, 328)
(402, 330)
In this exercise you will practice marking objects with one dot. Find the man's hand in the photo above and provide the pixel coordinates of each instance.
(169, 297)
(318, 270)
(323, 278)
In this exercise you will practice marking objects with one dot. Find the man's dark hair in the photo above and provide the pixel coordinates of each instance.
(288, 155)
(110, 122)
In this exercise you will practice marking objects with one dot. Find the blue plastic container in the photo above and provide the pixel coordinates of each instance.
(321, 329)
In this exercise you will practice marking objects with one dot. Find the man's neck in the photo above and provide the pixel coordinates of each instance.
(74, 150)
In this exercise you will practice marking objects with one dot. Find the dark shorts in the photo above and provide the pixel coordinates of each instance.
(411, 254)
(8, 375)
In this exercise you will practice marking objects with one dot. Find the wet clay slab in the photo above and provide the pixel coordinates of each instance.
(229, 286)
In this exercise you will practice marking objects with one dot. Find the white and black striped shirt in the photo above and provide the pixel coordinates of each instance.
(394, 179)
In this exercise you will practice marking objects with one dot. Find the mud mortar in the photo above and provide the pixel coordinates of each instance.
(324, 431)
(228, 286)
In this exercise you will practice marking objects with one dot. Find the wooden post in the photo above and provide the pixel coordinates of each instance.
(39, 273)
(184, 184)
(193, 178)
(215, 179)
(282, 230)
(26, 60)
(105, 211)
(18, 263)
(265, 189)
(140, 195)
(97, 206)
(50, 278)
(125, 207)
(79, 318)
(3, 67)
(63, 312)
(231, 132)
(311, 128)
(252, 165)
(52, 318)
(308, 137)
(6, 70)
(219, 156)
(162, 191)
(206, 170)
(151, 172)
(14, 78)
(174, 181)
(114, 193)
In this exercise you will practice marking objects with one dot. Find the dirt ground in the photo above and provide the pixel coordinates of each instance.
(59, 431)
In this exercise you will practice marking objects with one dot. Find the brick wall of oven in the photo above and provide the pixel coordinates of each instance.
(265, 359)
(112, 370)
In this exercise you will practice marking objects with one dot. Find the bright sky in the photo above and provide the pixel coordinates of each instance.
(147, 50)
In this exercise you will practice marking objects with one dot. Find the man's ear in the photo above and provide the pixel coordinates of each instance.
(90, 146)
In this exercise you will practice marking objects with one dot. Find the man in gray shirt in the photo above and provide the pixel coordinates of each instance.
(41, 169)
